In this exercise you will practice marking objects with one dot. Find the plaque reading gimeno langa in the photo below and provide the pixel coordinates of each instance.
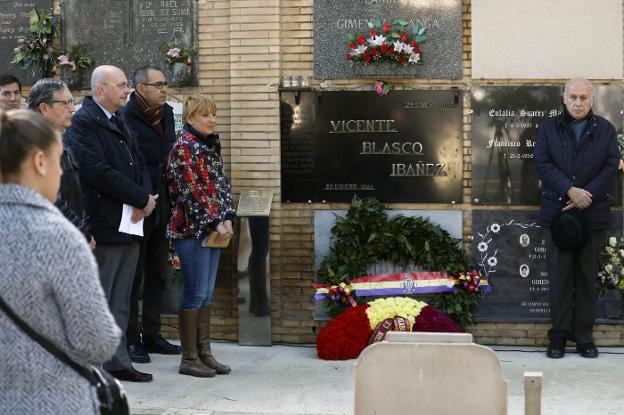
(403, 147)
(504, 129)
(336, 20)
(510, 249)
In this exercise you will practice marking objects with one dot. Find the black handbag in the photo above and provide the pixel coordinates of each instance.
(111, 394)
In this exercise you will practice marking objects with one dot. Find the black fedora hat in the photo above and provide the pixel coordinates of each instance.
(569, 230)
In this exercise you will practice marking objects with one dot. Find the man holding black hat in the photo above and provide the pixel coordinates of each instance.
(576, 157)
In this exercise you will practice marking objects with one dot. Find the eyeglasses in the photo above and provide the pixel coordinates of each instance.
(123, 85)
(159, 85)
(68, 103)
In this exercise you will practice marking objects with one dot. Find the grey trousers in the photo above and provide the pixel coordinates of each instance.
(117, 264)
(573, 288)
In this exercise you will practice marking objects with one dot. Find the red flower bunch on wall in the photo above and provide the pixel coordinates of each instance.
(393, 43)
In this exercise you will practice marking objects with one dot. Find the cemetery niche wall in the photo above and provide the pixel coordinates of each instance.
(403, 147)
(510, 249)
(14, 25)
(334, 21)
(504, 130)
(130, 34)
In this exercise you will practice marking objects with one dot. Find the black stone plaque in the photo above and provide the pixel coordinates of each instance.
(13, 25)
(298, 145)
(335, 20)
(504, 129)
(403, 147)
(510, 249)
(129, 34)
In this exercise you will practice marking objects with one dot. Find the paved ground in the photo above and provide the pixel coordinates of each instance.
(292, 380)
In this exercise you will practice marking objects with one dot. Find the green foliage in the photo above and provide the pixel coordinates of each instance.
(458, 305)
(34, 51)
(76, 57)
(367, 236)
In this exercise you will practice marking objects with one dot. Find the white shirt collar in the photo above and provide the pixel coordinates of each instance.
(108, 113)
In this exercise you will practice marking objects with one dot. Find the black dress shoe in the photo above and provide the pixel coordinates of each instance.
(132, 375)
(556, 348)
(588, 350)
(137, 353)
(160, 345)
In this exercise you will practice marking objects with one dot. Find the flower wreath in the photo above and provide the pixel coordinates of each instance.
(367, 235)
(392, 43)
(351, 331)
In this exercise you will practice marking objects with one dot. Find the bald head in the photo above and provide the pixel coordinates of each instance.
(103, 74)
(109, 87)
(578, 97)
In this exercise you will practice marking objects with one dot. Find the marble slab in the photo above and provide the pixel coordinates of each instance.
(510, 248)
(556, 39)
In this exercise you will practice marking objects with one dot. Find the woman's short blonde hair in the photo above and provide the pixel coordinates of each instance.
(197, 103)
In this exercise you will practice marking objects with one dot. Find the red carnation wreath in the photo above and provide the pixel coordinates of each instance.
(348, 334)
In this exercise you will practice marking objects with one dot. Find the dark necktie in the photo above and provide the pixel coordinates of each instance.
(118, 122)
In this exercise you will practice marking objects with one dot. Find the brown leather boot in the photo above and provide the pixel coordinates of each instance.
(191, 364)
(205, 354)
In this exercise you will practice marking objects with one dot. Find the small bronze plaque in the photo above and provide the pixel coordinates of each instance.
(254, 203)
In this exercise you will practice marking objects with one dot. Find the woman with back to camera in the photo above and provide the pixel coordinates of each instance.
(201, 202)
(48, 278)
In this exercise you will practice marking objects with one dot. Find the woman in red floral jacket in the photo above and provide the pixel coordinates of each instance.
(201, 202)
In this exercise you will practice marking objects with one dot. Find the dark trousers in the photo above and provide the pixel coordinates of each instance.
(116, 264)
(151, 275)
(259, 303)
(573, 288)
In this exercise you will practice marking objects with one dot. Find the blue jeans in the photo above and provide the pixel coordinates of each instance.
(199, 272)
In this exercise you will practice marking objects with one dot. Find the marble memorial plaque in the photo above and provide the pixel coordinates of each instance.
(334, 21)
(504, 130)
(14, 17)
(404, 147)
(129, 34)
(533, 39)
(509, 247)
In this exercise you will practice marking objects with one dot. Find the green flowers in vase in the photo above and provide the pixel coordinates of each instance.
(34, 51)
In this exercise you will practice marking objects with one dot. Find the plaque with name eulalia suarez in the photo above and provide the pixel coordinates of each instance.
(504, 130)
(403, 147)
(129, 34)
(510, 248)
(14, 25)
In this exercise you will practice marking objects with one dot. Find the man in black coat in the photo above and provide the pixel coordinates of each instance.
(576, 157)
(151, 119)
(114, 179)
(52, 99)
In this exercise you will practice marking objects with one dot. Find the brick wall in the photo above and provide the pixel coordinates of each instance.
(245, 46)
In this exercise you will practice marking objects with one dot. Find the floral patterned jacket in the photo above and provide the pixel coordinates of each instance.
(200, 194)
